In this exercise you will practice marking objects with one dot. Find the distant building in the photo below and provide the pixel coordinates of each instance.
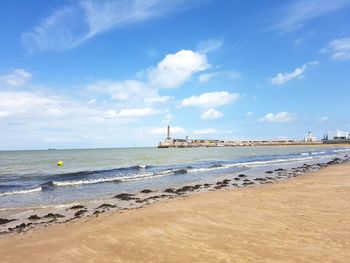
(336, 135)
(310, 138)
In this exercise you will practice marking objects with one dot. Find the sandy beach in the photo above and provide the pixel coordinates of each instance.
(303, 219)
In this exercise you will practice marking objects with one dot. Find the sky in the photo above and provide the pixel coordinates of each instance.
(89, 74)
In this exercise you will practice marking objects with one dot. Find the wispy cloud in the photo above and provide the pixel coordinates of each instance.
(205, 131)
(210, 99)
(211, 114)
(231, 74)
(279, 117)
(299, 12)
(163, 130)
(128, 91)
(167, 118)
(339, 48)
(298, 41)
(282, 78)
(16, 78)
(209, 45)
(131, 113)
(71, 25)
(323, 119)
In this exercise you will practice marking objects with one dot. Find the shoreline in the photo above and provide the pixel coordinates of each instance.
(31, 219)
(222, 210)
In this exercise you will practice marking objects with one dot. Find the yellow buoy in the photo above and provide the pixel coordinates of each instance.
(60, 163)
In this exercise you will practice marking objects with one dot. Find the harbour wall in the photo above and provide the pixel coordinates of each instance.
(180, 143)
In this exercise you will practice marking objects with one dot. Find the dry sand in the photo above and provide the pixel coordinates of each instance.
(304, 219)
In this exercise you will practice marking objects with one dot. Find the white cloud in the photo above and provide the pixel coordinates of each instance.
(138, 112)
(278, 117)
(131, 113)
(73, 24)
(298, 41)
(110, 114)
(168, 117)
(3, 114)
(92, 101)
(249, 113)
(17, 78)
(339, 48)
(22, 102)
(205, 77)
(154, 100)
(175, 69)
(282, 78)
(171, 72)
(300, 11)
(37, 106)
(163, 130)
(210, 99)
(211, 114)
(27, 118)
(323, 119)
(128, 92)
(205, 131)
(123, 90)
(232, 74)
(209, 45)
(55, 112)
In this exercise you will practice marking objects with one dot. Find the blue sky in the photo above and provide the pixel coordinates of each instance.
(81, 74)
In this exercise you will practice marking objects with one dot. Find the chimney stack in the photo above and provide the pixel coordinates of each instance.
(168, 133)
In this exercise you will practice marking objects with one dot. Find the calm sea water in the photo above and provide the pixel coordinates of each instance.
(32, 178)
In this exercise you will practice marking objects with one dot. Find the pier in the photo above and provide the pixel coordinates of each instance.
(182, 143)
(195, 143)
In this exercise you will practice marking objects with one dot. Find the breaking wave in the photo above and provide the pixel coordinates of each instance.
(22, 191)
(249, 164)
(119, 178)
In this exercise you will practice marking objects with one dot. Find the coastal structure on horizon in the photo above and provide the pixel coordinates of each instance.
(310, 138)
(336, 136)
(193, 143)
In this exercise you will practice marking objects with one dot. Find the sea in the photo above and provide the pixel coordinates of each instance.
(32, 179)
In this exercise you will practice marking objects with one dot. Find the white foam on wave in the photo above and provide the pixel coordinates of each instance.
(312, 153)
(22, 191)
(317, 153)
(195, 170)
(342, 150)
(87, 181)
(251, 164)
(135, 177)
(262, 163)
(138, 178)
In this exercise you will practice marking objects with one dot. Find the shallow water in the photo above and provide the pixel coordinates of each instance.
(32, 178)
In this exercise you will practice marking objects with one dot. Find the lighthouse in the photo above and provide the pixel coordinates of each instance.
(168, 133)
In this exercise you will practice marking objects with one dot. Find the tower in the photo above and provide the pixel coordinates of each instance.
(168, 133)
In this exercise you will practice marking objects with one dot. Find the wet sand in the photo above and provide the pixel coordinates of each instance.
(302, 219)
